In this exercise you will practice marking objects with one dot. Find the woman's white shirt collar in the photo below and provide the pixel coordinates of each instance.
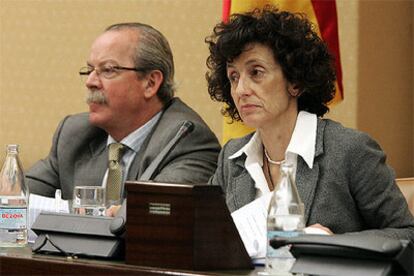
(302, 143)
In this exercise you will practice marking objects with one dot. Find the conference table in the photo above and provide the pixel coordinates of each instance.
(196, 237)
(21, 261)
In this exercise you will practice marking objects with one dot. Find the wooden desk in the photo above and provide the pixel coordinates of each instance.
(186, 229)
(21, 261)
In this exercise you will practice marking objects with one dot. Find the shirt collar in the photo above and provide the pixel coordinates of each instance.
(302, 142)
(253, 149)
(135, 139)
(254, 161)
(303, 139)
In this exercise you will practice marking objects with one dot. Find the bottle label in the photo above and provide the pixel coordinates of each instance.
(282, 252)
(13, 218)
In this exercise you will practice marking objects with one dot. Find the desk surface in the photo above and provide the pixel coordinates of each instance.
(21, 261)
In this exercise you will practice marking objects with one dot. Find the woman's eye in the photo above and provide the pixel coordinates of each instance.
(233, 77)
(256, 73)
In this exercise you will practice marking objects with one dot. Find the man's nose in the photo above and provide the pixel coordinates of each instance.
(93, 80)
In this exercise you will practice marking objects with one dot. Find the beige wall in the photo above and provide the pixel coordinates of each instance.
(44, 43)
(376, 41)
(385, 79)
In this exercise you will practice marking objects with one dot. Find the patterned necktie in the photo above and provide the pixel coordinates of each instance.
(114, 181)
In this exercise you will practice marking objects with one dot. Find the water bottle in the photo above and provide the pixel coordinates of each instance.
(13, 201)
(285, 219)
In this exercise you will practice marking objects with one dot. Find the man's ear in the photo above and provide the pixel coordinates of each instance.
(154, 80)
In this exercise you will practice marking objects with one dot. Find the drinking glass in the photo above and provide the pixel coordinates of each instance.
(89, 200)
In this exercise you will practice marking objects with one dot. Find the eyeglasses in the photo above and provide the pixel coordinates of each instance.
(106, 71)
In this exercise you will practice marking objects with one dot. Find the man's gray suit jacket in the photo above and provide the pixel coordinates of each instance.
(349, 189)
(79, 154)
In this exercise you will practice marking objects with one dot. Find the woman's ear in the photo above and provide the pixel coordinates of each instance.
(294, 90)
(154, 80)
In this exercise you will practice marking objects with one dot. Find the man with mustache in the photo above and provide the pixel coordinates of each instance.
(130, 80)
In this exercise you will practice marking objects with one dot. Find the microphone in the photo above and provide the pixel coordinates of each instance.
(186, 128)
(117, 226)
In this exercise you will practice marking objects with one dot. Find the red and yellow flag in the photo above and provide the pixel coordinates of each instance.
(322, 13)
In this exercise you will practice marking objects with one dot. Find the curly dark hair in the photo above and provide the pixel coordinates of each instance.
(304, 58)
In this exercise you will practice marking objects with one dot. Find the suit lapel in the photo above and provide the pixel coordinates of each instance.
(242, 185)
(92, 164)
(306, 178)
(306, 181)
(153, 143)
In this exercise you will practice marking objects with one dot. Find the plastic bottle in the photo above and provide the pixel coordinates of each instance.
(13, 201)
(285, 219)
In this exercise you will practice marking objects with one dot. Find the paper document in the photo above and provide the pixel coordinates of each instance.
(251, 222)
(39, 203)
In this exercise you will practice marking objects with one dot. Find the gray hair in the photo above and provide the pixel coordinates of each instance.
(153, 52)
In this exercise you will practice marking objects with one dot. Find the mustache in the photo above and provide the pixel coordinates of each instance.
(95, 96)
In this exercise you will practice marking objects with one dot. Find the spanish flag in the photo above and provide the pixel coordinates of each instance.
(322, 13)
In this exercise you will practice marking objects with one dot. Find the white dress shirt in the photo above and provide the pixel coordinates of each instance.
(133, 143)
(302, 143)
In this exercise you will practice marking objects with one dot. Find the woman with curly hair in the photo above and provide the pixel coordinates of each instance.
(276, 75)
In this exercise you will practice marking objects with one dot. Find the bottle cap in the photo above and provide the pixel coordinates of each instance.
(13, 148)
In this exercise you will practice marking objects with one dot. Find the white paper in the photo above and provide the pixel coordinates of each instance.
(39, 203)
(251, 222)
